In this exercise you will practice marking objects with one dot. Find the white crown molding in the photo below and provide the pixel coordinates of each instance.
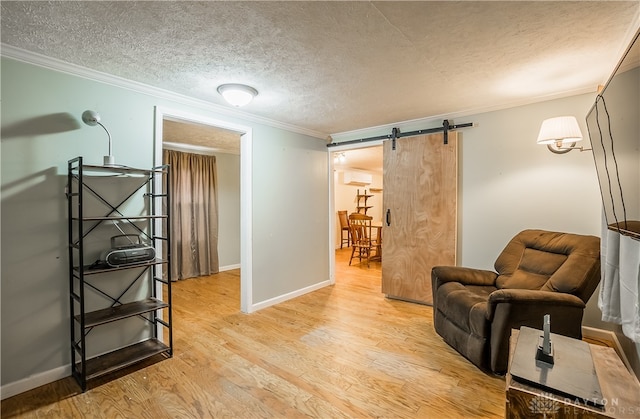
(386, 128)
(55, 64)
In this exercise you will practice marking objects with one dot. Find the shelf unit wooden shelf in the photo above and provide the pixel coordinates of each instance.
(362, 197)
(94, 270)
(117, 190)
(123, 218)
(106, 315)
(123, 357)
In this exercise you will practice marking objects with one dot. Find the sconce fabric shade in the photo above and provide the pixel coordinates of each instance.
(559, 130)
(237, 94)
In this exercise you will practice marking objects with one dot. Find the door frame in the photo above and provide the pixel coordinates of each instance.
(246, 192)
(332, 203)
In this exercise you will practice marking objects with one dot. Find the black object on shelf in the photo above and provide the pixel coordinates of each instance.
(101, 198)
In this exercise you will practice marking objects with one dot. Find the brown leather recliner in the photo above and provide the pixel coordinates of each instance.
(538, 272)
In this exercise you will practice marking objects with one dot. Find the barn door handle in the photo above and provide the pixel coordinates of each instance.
(388, 217)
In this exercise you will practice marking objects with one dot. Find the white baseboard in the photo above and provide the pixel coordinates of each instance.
(285, 297)
(229, 267)
(37, 380)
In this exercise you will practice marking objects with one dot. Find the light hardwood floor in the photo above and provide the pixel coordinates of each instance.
(342, 351)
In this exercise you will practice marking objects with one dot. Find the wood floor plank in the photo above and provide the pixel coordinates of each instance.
(344, 351)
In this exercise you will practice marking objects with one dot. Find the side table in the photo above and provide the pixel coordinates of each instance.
(620, 391)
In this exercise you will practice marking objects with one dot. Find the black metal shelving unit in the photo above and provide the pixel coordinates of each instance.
(150, 191)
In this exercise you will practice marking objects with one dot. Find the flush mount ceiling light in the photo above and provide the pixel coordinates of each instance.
(560, 134)
(92, 118)
(237, 94)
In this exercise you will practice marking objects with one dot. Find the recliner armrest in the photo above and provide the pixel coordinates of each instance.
(526, 297)
(466, 276)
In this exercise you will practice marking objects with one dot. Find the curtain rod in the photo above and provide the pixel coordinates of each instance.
(395, 134)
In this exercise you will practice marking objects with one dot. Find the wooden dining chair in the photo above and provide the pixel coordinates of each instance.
(344, 228)
(362, 241)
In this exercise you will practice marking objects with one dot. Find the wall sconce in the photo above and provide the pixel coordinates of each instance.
(92, 118)
(560, 134)
(237, 94)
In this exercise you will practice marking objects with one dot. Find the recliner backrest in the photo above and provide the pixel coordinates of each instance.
(550, 261)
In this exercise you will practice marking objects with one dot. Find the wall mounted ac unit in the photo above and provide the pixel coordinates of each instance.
(357, 178)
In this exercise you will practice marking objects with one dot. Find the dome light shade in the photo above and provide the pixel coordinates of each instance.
(237, 94)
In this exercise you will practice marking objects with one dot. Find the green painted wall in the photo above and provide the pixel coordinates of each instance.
(41, 130)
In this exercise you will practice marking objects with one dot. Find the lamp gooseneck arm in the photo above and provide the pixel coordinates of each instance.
(108, 135)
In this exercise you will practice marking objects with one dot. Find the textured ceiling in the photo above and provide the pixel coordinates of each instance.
(203, 138)
(332, 66)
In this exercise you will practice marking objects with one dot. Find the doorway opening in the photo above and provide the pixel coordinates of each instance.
(205, 189)
(164, 115)
(355, 173)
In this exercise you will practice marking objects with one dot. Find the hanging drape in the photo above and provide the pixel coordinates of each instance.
(194, 214)
(619, 299)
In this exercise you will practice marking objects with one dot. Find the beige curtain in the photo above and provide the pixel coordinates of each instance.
(194, 214)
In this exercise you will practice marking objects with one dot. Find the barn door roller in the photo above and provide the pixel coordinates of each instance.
(395, 133)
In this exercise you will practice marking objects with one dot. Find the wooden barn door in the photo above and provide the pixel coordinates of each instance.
(420, 201)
